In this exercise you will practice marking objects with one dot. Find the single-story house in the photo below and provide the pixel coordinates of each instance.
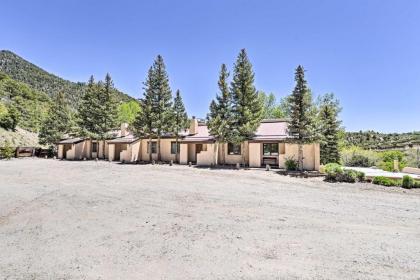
(271, 144)
(79, 148)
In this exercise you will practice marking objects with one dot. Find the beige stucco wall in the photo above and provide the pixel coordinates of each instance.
(183, 154)
(165, 150)
(234, 159)
(208, 156)
(60, 151)
(311, 159)
(255, 154)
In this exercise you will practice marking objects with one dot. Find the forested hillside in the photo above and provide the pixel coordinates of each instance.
(381, 141)
(21, 70)
(21, 105)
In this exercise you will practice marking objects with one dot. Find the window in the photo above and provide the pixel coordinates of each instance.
(94, 147)
(271, 149)
(175, 148)
(234, 149)
(154, 147)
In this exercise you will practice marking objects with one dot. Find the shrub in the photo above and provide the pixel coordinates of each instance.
(7, 152)
(416, 184)
(333, 170)
(348, 176)
(387, 160)
(355, 156)
(407, 182)
(385, 181)
(291, 164)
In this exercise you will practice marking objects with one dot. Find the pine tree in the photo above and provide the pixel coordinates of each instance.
(162, 109)
(180, 119)
(58, 122)
(155, 118)
(98, 112)
(329, 108)
(303, 124)
(108, 110)
(219, 120)
(144, 123)
(247, 107)
(89, 110)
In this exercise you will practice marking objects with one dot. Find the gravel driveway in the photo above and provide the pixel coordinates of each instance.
(100, 220)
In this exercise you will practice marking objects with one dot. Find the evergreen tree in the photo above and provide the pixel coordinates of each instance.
(247, 107)
(303, 124)
(58, 122)
(329, 108)
(89, 110)
(144, 123)
(180, 119)
(219, 120)
(155, 117)
(98, 112)
(108, 110)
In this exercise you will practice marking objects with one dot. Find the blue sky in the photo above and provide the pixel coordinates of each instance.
(365, 51)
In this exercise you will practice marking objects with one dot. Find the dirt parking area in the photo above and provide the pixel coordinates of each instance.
(100, 220)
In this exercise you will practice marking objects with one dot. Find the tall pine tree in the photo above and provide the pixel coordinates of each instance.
(58, 121)
(108, 113)
(219, 120)
(328, 110)
(155, 118)
(98, 111)
(247, 107)
(180, 119)
(303, 124)
(89, 109)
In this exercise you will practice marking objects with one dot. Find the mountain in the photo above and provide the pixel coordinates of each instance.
(382, 141)
(29, 105)
(38, 79)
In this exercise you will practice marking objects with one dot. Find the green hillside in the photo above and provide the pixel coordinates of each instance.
(21, 70)
(382, 141)
(29, 105)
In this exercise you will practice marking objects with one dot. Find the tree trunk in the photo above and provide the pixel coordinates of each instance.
(243, 153)
(103, 148)
(223, 154)
(150, 149)
(158, 148)
(176, 150)
(300, 156)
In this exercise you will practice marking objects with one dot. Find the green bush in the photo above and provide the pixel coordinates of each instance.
(355, 156)
(416, 184)
(387, 160)
(407, 182)
(291, 164)
(348, 176)
(385, 181)
(336, 173)
(359, 160)
(333, 170)
(7, 152)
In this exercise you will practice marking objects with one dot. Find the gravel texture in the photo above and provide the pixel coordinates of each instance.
(100, 220)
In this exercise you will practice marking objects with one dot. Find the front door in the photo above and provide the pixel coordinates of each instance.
(198, 148)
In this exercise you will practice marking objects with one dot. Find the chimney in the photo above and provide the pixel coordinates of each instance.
(124, 129)
(194, 126)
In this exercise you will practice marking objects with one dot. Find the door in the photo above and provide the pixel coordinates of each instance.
(198, 148)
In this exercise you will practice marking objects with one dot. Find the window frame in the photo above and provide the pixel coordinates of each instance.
(232, 151)
(272, 152)
(152, 147)
(95, 147)
(174, 144)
